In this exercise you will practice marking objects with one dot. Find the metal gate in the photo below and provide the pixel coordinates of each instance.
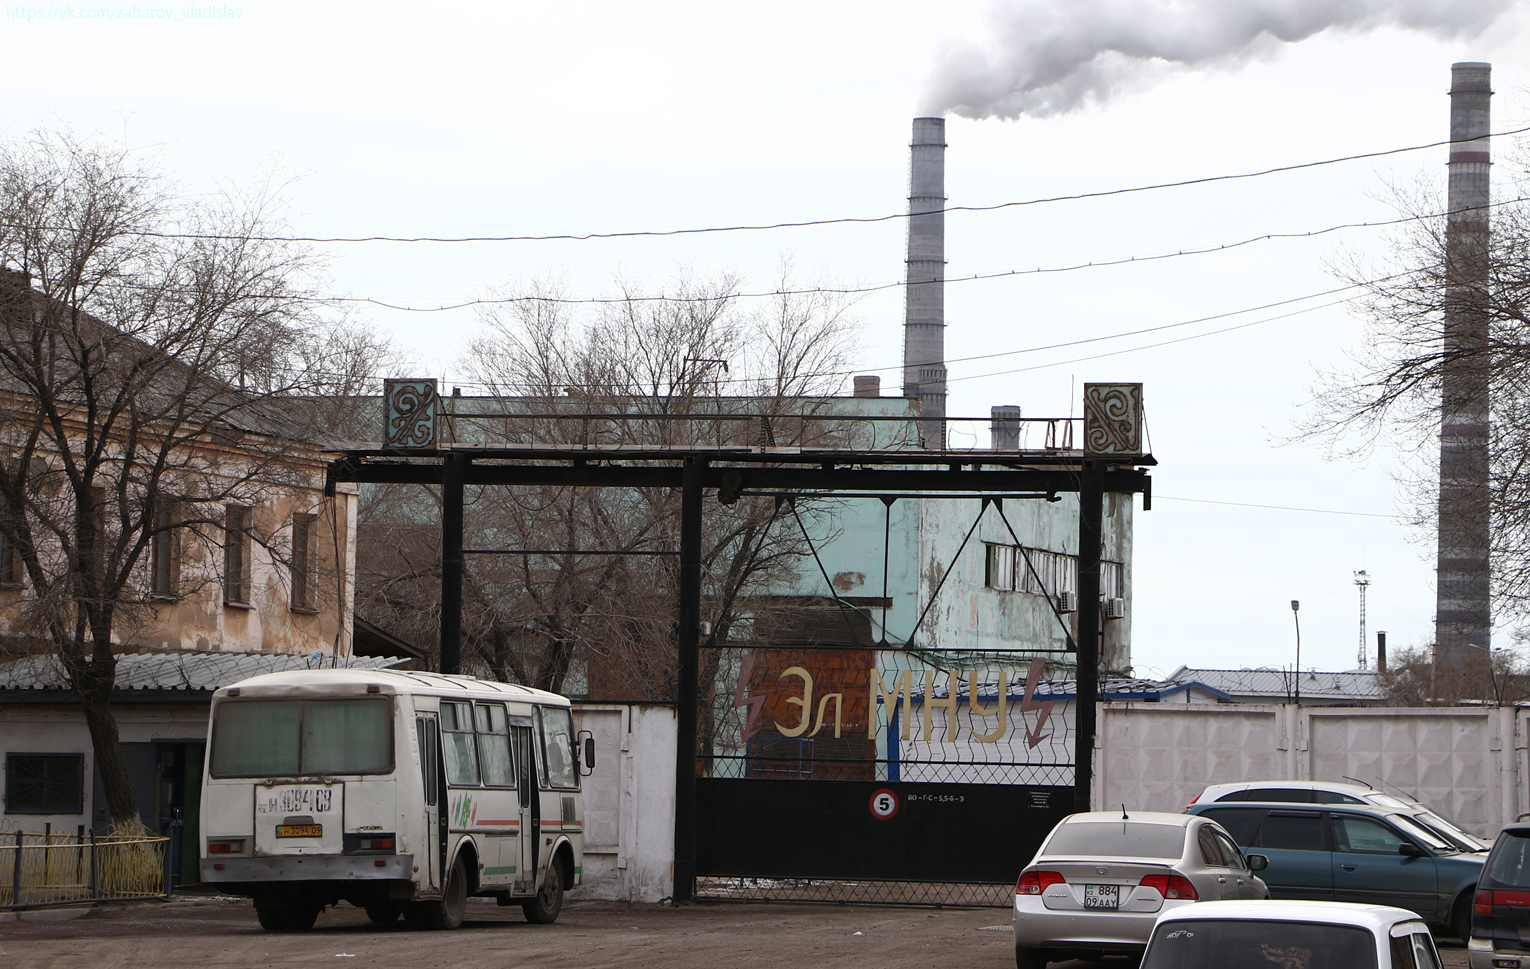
(876, 776)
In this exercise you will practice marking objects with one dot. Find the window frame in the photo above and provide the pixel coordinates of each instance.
(236, 555)
(164, 554)
(11, 787)
(303, 572)
(10, 560)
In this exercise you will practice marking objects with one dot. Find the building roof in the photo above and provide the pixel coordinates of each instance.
(181, 671)
(1110, 688)
(1355, 686)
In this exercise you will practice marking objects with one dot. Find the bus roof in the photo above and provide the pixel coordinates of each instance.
(313, 682)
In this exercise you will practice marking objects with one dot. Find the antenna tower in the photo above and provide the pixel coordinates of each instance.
(1361, 582)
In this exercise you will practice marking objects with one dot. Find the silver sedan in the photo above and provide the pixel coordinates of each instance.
(1101, 879)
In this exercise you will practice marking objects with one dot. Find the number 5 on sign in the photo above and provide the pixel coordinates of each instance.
(884, 804)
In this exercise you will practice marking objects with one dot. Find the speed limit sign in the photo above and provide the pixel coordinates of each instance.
(884, 804)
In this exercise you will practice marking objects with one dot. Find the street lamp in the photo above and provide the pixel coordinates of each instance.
(1295, 609)
(1492, 676)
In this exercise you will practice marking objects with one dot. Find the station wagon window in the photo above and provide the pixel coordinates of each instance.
(1292, 832)
(555, 729)
(1235, 820)
(1433, 839)
(1365, 835)
(266, 738)
(1509, 864)
(457, 740)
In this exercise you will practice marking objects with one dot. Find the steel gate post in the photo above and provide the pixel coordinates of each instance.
(687, 637)
(1091, 501)
(453, 475)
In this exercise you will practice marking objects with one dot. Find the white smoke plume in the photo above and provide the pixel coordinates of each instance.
(1048, 57)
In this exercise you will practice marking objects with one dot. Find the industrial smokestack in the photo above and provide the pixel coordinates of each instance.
(1004, 427)
(1463, 616)
(924, 317)
(868, 385)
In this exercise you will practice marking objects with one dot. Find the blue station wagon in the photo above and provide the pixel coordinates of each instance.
(1355, 853)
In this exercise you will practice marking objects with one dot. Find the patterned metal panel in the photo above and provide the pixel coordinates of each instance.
(1113, 419)
(409, 419)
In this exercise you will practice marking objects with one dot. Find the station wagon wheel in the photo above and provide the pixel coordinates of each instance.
(1461, 915)
(544, 908)
(1029, 958)
(447, 913)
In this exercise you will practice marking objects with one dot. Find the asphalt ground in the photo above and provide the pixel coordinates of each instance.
(209, 932)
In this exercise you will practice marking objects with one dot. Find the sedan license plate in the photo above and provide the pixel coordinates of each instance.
(1102, 896)
(308, 831)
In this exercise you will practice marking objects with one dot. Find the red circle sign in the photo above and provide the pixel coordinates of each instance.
(884, 804)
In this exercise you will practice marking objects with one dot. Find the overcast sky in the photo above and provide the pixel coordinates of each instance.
(519, 118)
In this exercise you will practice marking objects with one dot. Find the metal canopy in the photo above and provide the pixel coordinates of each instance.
(739, 470)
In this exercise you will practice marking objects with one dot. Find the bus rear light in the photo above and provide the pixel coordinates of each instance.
(377, 844)
(233, 847)
(1036, 882)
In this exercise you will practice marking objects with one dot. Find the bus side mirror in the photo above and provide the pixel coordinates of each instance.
(587, 752)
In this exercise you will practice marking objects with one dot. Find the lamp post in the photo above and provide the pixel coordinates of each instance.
(1296, 618)
(1492, 675)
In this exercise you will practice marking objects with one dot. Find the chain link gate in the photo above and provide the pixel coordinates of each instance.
(866, 775)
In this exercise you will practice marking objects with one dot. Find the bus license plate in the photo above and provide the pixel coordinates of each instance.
(1102, 896)
(309, 831)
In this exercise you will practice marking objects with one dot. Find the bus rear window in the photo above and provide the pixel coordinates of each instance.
(266, 738)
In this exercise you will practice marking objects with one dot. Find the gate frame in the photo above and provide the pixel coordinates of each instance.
(692, 470)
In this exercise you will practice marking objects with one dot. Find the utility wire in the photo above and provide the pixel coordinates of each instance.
(659, 233)
(882, 287)
(1313, 511)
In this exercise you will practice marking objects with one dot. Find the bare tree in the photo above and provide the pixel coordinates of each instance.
(691, 366)
(1391, 393)
(1499, 677)
(132, 317)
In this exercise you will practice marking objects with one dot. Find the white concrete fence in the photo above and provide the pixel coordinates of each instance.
(1469, 763)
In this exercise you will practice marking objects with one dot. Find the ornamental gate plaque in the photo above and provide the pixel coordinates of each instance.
(409, 413)
(1113, 420)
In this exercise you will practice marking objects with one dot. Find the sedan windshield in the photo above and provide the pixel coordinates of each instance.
(1220, 943)
(1117, 839)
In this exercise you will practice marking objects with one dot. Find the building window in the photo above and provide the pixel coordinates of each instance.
(44, 783)
(1012, 568)
(304, 529)
(10, 560)
(164, 555)
(236, 555)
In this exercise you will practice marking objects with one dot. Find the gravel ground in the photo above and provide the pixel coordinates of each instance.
(205, 932)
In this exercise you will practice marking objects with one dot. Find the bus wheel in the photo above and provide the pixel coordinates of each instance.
(383, 914)
(543, 909)
(302, 915)
(447, 913)
(273, 918)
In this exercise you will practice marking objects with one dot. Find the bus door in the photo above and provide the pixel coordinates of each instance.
(428, 733)
(530, 808)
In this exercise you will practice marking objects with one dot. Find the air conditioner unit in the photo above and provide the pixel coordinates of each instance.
(1115, 608)
(1067, 602)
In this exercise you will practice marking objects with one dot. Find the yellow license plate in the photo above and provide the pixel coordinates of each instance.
(299, 830)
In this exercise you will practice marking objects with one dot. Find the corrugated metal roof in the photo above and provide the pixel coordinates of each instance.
(188, 671)
(1274, 683)
(1110, 688)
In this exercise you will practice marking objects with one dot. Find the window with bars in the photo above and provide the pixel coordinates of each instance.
(236, 555)
(1013, 568)
(44, 783)
(304, 531)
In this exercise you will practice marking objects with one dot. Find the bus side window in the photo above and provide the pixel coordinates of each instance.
(426, 730)
(494, 745)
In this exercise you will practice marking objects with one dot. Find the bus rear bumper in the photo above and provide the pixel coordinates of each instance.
(308, 868)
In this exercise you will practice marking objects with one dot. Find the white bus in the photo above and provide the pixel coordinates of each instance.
(402, 793)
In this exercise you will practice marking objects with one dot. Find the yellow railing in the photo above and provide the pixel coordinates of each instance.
(48, 869)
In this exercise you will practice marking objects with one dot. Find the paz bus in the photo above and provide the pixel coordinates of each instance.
(402, 793)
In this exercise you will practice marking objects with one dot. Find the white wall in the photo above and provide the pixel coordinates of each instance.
(629, 802)
(1470, 764)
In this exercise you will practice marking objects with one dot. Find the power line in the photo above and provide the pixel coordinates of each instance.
(881, 287)
(810, 223)
(1312, 511)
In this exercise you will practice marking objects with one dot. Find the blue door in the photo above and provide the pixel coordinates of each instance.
(1368, 867)
(1301, 862)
